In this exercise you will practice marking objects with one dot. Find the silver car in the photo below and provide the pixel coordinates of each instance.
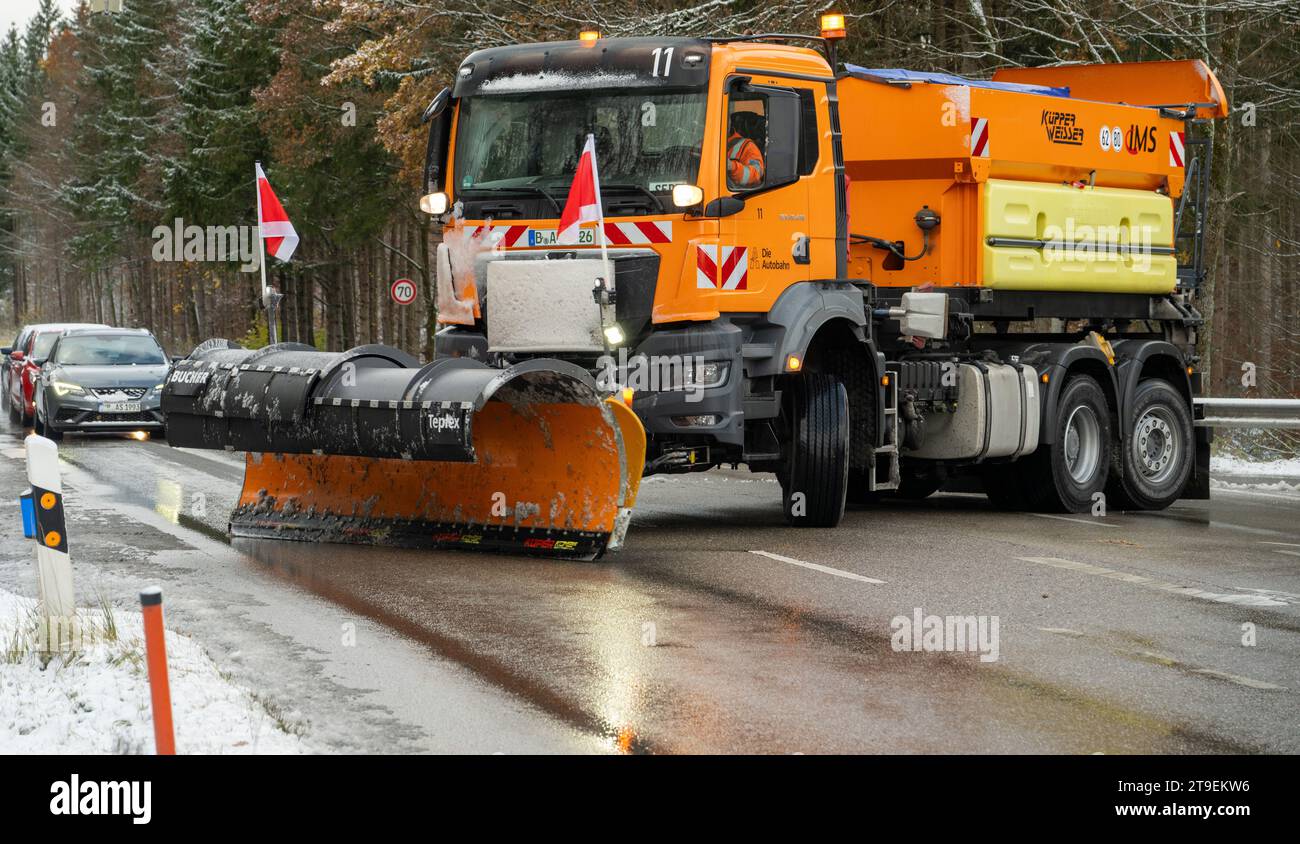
(106, 379)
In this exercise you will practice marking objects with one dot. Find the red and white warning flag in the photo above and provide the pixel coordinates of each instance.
(583, 205)
(276, 229)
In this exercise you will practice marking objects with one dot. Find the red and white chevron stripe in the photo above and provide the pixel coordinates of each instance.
(650, 231)
(1175, 149)
(502, 236)
(979, 137)
(639, 233)
(722, 267)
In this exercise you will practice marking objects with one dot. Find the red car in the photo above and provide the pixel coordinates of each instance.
(22, 361)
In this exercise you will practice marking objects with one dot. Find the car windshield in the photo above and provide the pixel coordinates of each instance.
(645, 140)
(44, 342)
(101, 350)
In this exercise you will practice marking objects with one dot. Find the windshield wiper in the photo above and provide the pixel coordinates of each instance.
(659, 205)
(518, 189)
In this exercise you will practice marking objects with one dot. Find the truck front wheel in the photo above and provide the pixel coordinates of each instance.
(815, 471)
(1155, 459)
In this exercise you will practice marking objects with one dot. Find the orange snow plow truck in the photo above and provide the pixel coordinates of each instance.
(869, 282)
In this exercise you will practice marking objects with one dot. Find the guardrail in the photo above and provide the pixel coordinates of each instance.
(1248, 413)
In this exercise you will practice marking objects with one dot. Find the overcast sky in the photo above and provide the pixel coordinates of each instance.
(18, 11)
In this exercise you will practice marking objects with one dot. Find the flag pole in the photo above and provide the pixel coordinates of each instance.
(268, 297)
(600, 213)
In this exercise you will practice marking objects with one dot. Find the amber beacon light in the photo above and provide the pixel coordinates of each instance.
(833, 26)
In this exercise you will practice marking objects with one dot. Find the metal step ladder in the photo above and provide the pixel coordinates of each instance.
(884, 471)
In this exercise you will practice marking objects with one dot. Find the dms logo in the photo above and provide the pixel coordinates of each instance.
(1140, 139)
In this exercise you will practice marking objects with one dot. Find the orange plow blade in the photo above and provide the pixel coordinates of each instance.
(370, 446)
(549, 479)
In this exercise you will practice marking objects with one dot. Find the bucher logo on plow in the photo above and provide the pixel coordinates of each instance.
(722, 267)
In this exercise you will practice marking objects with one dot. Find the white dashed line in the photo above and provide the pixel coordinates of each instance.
(1089, 522)
(1152, 583)
(1239, 680)
(817, 567)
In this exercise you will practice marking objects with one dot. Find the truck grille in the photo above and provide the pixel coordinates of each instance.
(128, 392)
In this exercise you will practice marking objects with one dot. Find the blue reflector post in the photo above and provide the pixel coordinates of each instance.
(29, 514)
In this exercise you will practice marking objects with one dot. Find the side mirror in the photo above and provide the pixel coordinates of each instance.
(40, 362)
(175, 359)
(16, 354)
(6, 350)
(724, 206)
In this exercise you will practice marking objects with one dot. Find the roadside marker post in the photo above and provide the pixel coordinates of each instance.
(44, 521)
(155, 646)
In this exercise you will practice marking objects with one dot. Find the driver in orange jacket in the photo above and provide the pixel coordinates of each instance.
(745, 165)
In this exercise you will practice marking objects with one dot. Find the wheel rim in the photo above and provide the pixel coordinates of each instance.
(1157, 445)
(1082, 444)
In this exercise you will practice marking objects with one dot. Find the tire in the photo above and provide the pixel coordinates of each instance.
(1155, 455)
(1063, 476)
(45, 430)
(817, 454)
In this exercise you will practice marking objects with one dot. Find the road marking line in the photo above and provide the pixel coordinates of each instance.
(1063, 631)
(1288, 544)
(1152, 583)
(817, 567)
(1285, 551)
(1239, 680)
(1092, 522)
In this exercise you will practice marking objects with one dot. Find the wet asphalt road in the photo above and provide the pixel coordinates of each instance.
(719, 629)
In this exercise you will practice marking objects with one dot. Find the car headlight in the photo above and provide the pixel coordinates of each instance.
(66, 388)
(159, 387)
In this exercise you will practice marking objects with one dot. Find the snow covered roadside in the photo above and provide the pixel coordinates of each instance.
(97, 701)
(1229, 465)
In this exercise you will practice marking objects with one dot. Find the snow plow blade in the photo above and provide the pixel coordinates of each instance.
(367, 446)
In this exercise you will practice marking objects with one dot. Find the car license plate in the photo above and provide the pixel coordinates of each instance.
(119, 407)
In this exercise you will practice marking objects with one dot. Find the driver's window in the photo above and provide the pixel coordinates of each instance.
(747, 142)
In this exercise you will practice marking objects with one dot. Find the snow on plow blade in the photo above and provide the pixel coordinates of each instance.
(367, 446)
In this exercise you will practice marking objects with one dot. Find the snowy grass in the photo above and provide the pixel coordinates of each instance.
(95, 698)
(1233, 464)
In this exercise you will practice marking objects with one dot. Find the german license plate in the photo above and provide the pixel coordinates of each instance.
(548, 237)
(119, 407)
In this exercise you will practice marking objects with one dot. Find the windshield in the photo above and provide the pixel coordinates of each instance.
(44, 342)
(645, 140)
(110, 351)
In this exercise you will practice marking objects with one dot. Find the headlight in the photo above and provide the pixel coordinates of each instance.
(65, 388)
(614, 335)
(434, 203)
(695, 375)
(684, 196)
(159, 387)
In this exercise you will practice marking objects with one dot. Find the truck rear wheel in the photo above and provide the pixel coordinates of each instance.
(815, 475)
(1065, 474)
(1154, 460)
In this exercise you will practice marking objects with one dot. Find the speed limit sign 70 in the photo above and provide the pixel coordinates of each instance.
(403, 291)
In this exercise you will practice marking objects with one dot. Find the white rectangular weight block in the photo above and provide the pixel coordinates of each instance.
(543, 306)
